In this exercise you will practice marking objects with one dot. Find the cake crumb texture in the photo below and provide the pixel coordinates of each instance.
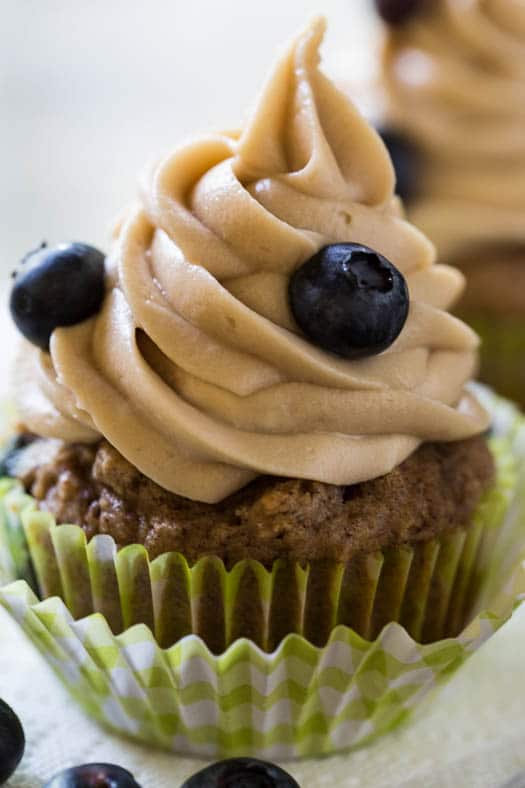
(436, 489)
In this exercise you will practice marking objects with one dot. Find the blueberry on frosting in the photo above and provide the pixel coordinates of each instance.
(349, 300)
(57, 287)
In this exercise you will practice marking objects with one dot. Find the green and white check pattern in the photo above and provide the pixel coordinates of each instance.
(297, 701)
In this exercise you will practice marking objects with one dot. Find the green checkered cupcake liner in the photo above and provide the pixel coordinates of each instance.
(292, 662)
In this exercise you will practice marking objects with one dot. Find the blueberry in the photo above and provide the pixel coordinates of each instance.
(405, 159)
(12, 742)
(93, 775)
(56, 287)
(241, 773)
(349, 300)
(397, 12)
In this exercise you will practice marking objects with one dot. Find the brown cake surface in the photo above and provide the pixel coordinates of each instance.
(434, 490)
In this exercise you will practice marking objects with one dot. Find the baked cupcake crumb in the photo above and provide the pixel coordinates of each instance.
(436, 489)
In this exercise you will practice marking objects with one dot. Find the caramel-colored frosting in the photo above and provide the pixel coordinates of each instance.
(195, 369)
(455, 80)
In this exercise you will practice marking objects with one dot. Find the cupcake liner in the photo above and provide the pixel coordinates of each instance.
(297, 701)
(419, 586)
(108, 620)
(502, 351)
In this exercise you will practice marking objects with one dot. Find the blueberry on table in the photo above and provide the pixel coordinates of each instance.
(59, 286)
(241, 773)
(93, 775)
(349, 300)
(405, 159)
(397, 12)
(12, 742)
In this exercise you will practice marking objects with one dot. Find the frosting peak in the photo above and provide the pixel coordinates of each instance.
(302, 130)
(195, 369)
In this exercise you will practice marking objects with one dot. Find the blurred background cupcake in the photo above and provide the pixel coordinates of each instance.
(454, 119)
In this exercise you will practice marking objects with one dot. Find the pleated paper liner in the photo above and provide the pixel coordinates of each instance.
(283, 663)
(502, 352)
(297, 701)
(429, 588)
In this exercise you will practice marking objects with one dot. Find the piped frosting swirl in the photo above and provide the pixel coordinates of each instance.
(195, 369)
(455, 83)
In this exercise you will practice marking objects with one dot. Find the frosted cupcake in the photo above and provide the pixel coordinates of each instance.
(454, 74)
(260, 425)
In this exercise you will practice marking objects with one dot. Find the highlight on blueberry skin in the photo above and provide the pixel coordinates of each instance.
(93, 775)
(405, 158)
(241, 773)
(349, 300)
(55, 287)
(12, 742)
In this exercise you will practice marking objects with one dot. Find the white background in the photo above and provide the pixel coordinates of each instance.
(92, 89)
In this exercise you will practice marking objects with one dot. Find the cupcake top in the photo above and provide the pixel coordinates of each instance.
(196, 369)
(454, 73)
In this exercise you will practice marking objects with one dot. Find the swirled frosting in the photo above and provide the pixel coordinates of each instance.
(455, 80)
(195, 370)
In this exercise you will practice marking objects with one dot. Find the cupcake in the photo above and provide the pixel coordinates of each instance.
(249, 469)
(454, 75)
